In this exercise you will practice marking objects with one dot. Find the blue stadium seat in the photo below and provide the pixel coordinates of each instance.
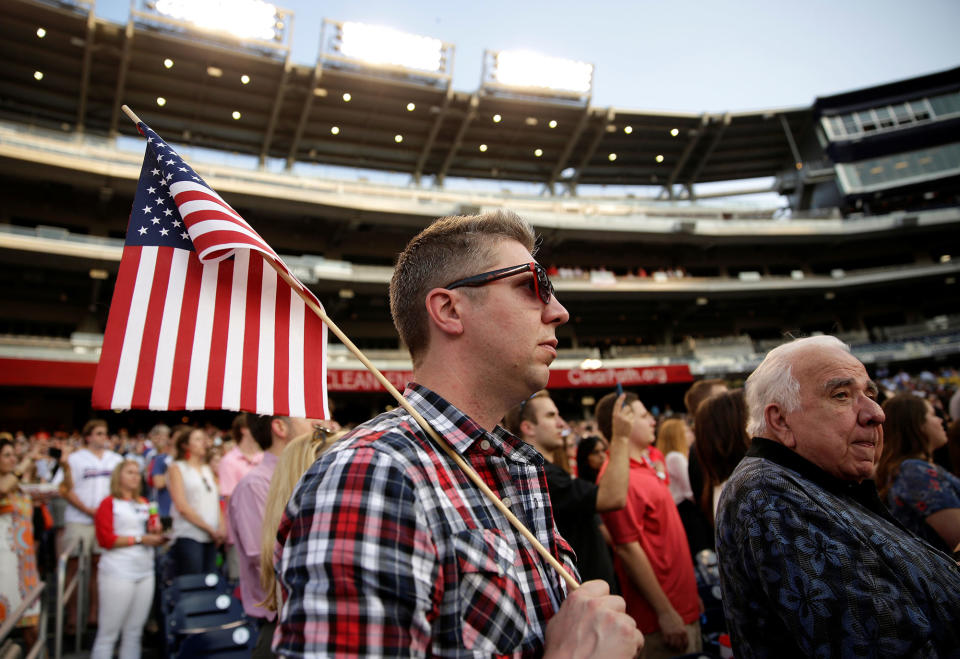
(230, 642)
(190, 584)
(199, 612)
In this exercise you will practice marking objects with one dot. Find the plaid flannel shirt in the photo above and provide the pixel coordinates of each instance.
(387, 549)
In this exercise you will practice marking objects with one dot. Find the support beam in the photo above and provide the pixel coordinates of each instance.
(305, 112)
(710, 149)
(458, 140)
(432, 135)
(122, 78)
(85, 72)
(275, 112)
(608, 117)
(568, 148)
(685, 156)
(793, 145)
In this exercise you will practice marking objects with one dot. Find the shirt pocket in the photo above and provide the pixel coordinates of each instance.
(492, 608)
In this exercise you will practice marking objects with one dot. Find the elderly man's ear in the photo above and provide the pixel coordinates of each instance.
(780, 430)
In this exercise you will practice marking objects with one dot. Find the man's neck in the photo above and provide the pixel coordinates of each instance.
(276, 448)
(97, 451)
(486, 411)
(638, 453)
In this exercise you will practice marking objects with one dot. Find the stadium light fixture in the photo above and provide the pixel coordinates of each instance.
(381, 45)
(945, 258)
(674, 132)
(168, 63)
(483, 148)
(161, 101)
(553, 123)
(41, 33)
(334, 130)
(702, 301)
(398, 138)
(531, 121)
(526, 69)
(245, 79)
(538, 152)
(38, 75)
(628, 129)
(659, 157)
(347, 97)
(236, 115)
(214, 72)
(612, 157)
(411, 107)
(247, 19)
(497, 118)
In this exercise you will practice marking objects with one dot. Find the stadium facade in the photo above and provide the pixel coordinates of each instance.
(664, 279)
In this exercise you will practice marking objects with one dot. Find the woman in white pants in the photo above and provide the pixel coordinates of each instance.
(126, 576)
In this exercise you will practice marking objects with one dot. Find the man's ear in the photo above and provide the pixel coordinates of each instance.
(279, 428)
(776, 420)
(526, 428)
(442, 308)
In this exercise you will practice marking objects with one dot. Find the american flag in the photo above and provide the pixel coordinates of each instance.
(200, 319)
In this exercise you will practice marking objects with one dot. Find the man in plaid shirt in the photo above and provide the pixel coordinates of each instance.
(386, 548)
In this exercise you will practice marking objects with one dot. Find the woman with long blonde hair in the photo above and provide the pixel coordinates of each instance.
(296, 458)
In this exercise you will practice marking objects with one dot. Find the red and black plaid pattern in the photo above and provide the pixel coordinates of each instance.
(389, 550)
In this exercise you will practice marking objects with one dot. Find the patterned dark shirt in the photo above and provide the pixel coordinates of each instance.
(388, 549)
(919, 490)
(813, 566)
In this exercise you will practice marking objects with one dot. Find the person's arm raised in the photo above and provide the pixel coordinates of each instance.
(612, 486)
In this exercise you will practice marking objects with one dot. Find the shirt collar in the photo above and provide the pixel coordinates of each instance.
(864, 492)
(462, 432)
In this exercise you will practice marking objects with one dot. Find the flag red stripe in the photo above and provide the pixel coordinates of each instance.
(218, 341)
(251, 337)
(313, 384)
(106, 377)
(151, 331)
(281, 349)
(188, 325)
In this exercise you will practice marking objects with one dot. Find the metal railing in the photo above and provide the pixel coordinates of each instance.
(78, 585)
(40, 644)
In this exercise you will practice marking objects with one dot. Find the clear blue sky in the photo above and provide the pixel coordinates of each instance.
(680, 55)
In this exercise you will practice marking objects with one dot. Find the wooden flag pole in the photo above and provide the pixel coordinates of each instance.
(467, 469)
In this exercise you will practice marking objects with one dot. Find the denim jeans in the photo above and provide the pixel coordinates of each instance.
(192, 557)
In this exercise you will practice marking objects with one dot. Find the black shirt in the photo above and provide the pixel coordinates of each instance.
(574, 503)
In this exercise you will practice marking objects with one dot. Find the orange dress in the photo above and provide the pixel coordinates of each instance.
(18, 562)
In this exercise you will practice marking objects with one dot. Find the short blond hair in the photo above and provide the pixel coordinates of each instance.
(451, 248)
(672, 436)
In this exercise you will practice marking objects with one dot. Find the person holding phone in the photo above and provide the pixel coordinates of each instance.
(126, 578)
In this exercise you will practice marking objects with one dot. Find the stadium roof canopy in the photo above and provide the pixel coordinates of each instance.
(394, 121)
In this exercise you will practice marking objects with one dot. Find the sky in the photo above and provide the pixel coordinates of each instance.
(670, 55)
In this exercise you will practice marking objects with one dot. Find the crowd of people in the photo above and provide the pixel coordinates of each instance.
(831, 501)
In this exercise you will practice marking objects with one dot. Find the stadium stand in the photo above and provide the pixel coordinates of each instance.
(654, 270)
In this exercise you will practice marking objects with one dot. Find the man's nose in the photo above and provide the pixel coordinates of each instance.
(871, 414)
(555, 313)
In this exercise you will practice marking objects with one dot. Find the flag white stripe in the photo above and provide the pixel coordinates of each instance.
(189, 186)
(133, 335)
(169, 329)
(265, 360)
(202, 338)
(323, 371)
(297, 402)
(233, 369)
(188, 208)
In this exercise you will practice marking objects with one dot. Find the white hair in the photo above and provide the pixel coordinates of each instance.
(773, 380)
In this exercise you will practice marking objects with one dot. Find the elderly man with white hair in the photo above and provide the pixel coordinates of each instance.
(811, 562)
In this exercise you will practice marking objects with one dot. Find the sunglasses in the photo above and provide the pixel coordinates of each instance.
(542, 285)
